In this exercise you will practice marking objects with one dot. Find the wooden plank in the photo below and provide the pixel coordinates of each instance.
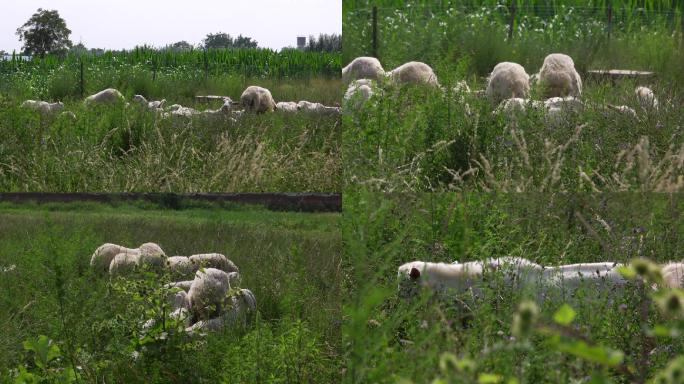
(620, 73)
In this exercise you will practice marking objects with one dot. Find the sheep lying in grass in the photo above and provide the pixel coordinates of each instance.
(45, 108)
(558, 77)
(151, 105)
(213, 260)
(286, 106)
(363, 68)
(646, 98)
(507, 80)
(413, 73)
(257, 99)
(105, 253)
(107, 96)
(316, 108)
(240, 305)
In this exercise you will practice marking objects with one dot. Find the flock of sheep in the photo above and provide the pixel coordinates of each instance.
(201, 299)
(254, 99)
(525, 275)
(508, 85)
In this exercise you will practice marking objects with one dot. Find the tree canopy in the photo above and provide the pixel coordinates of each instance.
(324, 43)
(45, 33)
(224, 40)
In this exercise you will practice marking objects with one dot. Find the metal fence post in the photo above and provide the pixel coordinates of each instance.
(81, 84)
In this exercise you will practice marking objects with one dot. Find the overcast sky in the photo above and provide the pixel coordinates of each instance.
(126, 23)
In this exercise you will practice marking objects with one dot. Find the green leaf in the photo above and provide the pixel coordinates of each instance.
(595, 354)
(565, 315)
(489, 378)
(44, 349)
(627, 272)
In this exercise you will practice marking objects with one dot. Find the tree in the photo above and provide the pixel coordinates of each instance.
(45, 33)
(218, 40)
(78, 48)
(180, 46)
(324, 43)
(224, 40)
(244, 42)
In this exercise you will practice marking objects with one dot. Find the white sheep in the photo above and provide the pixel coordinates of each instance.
(566, 103)
(105, 253)
(646, 98)
(413, 73)
(124, 263)
(558, 77)
(286, 106)
(623, 110)
(107, 96)
(181, 266)
(358, 92)
(207, 292)
(257, 99)
(240, 305)
(151, 105)
(316, 108)
(593, 278)
(213, 260)
(151, 254)
(363, 68)
(439, 277)
(507, 80)
(45, 108)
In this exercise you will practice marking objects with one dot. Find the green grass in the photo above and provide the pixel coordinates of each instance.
(418, 140)
(291, 261)
(391, 340)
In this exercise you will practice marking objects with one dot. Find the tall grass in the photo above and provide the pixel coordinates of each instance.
(291, 261)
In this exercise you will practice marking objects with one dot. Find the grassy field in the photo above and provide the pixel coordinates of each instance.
(418, 140)
(117, 149)
(291, 261)
(391, 340)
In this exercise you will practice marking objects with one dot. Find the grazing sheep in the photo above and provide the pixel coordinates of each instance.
(363, 68)
(123, 264)
(207, 292)
(107, 96)
(439, 277)
(105, 253)
(151, 105)
(565, 103)
(646, 98)
(181, 266)
(213, 260)
(257, 99)
(413, 73)
(358, 92)
(286, 106)
(593, 277)
(45, 108)
(507, 80)
(240, 305)
(558, 77)
(151, 254)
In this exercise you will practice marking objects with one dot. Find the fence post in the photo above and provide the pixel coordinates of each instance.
(511, 23)
(81, 84)
(610, 19)
(375, 31)
(681, 15)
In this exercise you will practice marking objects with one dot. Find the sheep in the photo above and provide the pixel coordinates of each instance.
(511, 106)
(286, 106)
(413, 73)
(646, 98)
(507, 80)
(184, 285)
(105, 253)
(358, 92)
(558, 77)
(213, 260)
(240, 305)
(257, 99)
(151, 105)
(151, 254)
(316, 108)
(107, 96)
(623, 110)
(181, 266)
(596, 277)
(207, 292)
(45, 108)
(67, 115)
(124, 263)
(363, 68)
(439, 277)
(566, 103)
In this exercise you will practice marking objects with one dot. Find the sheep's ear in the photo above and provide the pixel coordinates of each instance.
(414, 274)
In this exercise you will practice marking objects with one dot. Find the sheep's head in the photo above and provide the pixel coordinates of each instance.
(409, 280)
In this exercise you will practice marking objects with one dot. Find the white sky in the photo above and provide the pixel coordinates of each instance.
(123, 24)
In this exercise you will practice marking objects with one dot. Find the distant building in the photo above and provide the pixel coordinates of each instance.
(8, 57)
(301, 42)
